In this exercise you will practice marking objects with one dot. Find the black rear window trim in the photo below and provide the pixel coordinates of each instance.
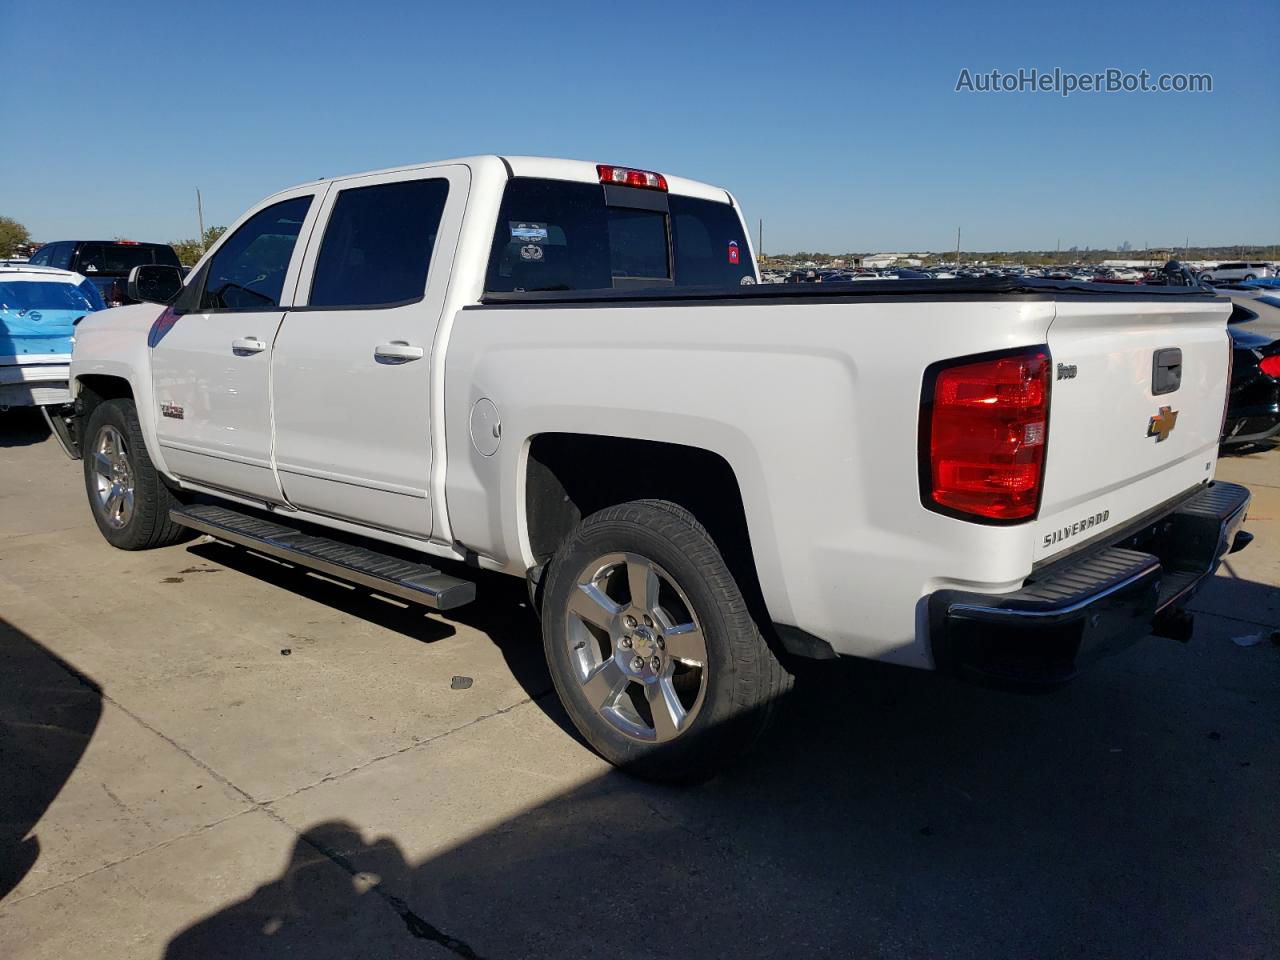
(307, 308)
(866, 291)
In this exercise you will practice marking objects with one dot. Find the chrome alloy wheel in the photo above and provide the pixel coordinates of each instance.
(113, 475)
(636, 647)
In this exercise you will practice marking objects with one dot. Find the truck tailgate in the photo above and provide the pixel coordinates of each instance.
(1117, 447)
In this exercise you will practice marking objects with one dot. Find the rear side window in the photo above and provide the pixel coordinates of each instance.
(710, 246)
(60, 255)
(377, 247)
(557, 235)
(247, 272)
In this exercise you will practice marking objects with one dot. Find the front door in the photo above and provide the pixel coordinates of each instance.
(212, 365)
(352, 368)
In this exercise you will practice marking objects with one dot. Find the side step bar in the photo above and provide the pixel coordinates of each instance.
(415, 582)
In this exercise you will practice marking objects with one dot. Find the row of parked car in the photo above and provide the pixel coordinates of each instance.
(43, 299)
(1237, 272)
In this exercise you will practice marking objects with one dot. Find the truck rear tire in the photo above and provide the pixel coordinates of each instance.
(652, 646)
(127, 496)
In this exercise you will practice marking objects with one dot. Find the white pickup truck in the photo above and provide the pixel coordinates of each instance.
(566, 372)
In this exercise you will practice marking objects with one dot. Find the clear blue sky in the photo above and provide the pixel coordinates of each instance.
(837, 123)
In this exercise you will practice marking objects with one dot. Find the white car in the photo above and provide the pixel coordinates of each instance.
(39, 308)
(1237, 270)
(554, 369)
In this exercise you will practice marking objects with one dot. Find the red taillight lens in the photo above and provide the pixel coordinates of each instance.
(987, 423)
(1270, 365)
(626, 177)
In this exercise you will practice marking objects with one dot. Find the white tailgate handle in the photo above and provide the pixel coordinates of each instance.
(248, 345)
(397, 351)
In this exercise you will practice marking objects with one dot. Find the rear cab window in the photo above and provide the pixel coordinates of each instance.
(555, 235)
(117, 259)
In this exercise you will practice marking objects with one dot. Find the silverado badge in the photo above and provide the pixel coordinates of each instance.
(171, 410)
(1162, 424)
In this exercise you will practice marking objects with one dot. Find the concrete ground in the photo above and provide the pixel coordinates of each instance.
(208, 754)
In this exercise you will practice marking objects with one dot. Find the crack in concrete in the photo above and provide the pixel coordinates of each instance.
(115, 863)
(1227, 616)
(416, 925)
(408, 747)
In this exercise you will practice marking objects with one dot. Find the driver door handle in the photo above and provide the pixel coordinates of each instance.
(397, 351)
(248, 345)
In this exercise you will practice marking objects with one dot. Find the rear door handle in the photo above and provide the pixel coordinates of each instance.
(397, 351)
(248, 345)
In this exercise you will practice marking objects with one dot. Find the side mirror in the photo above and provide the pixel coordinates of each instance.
(154, 283)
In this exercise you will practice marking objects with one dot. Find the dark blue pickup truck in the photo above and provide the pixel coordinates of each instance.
(106, 262)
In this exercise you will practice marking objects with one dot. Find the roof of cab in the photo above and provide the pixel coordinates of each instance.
(549, 168)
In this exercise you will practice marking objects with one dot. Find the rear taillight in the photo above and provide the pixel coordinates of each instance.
(984, 425)
(626, 177)
(1270, 365)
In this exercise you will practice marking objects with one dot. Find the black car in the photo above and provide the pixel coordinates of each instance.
(1253, 402)
(106, 262)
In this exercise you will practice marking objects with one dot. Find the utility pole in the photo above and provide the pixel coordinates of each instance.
(957, 248)
(200, 217)
(760, 242)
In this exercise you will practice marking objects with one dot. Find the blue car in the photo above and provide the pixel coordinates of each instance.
(39, 308)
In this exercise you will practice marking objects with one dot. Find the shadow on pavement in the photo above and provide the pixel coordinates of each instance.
(1248, 449)
(891, 814)
(48, 714)
(22, 427)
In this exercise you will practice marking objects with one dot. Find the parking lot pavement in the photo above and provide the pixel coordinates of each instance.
(206, 753)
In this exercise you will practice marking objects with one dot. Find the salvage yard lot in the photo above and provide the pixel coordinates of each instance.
(204, 752)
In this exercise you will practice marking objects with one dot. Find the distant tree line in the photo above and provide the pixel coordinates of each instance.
(189, 251)
(14, 237)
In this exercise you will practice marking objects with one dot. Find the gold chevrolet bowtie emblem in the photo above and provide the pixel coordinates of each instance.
(1162, 424)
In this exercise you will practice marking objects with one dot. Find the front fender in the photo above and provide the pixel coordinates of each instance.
(113, 343)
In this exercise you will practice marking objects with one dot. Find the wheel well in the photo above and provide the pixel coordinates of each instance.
(97, 388)
(571, 476)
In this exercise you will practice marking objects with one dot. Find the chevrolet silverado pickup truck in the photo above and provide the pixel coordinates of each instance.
(566, 372)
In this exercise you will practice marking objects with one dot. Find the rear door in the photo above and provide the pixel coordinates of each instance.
(1135, 411)
(352, 362)
(212, 367)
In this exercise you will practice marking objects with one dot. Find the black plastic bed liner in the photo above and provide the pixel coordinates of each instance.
(1026, 288)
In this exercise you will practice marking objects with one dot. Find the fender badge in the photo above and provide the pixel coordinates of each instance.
(1162, 424)
(171, 410)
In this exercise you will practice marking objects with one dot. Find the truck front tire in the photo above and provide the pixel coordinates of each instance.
(127, 496)
(652, 647)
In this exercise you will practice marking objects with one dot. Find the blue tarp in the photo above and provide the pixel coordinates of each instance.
(38, 316)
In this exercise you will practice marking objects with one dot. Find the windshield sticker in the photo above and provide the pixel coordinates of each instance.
(528, 232)
(747, 281)
(89, 268)
(531, 251)
(733, 252)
